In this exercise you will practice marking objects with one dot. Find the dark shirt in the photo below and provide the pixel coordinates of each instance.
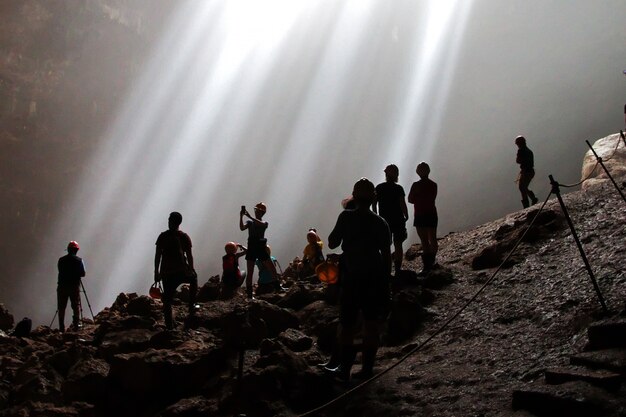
(389, 196)
(422, 195)
(173, 245)
(71, 270)
(525, 159)
(364, 236)
(256, 231)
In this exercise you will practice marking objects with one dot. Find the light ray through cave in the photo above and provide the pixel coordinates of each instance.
(281, 101)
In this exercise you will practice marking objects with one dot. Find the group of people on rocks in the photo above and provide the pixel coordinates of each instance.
(374, 218)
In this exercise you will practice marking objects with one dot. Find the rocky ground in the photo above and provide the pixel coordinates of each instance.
(527, 328)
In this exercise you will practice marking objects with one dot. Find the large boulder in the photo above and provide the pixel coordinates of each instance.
(86, 381)
(613, 156)
(321, 320)
(276, 319)
(300, 295)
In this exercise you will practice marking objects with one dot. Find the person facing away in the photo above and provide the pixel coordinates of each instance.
(173, 264)
(268, 281)
(365, 267)
(422, 195)
(526, 162)
(232, 276)
(71, 270)
(391, 206)
(257, 243)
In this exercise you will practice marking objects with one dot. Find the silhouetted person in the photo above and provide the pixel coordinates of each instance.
(526, 162)
(71, 270)
(232, 276)
(173, 264)
(257, 243)
(422, 195)
(392, 207)
(364, 284)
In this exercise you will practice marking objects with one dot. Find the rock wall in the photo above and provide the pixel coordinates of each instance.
(612, 150)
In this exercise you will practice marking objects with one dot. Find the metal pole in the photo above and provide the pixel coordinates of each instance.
(54, 317)
(557, 192)
(606, 170)
(87, 298)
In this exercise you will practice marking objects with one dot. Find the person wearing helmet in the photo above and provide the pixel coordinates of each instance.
(71, 270)
(422, 195)
(232, 276)
(257, 243)
(526, 161)
(391, 205)
(312, 254)
(173, 264)
(365, 268)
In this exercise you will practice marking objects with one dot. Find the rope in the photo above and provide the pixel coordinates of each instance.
(436, 333)
(594, 168)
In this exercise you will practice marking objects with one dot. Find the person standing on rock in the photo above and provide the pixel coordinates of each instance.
(526, 162)
(173, 264)
(365, 266)
(71, 270)
(391, 205)
(257, 243)
(422, 195)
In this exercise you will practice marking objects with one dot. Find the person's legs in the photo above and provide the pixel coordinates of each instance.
(62, 297)
(74, 294)
(371, 339)
(424, 236)
(193, 291)
(433, 245)
(524, 181)
(249, 275)
(169, 289)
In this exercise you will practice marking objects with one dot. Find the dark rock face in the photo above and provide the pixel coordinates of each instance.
(6, 319)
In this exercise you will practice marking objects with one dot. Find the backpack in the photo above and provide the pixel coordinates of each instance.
(23, 328)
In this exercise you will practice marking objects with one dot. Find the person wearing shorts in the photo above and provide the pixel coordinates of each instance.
(422, 195)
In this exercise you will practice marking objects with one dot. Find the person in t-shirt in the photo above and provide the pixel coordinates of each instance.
(268, 280)
(364, 285)
(232, 276)
(71, 270)
(391, 206)
(257, 243)
(422, 195)
(526, 161)
(173, 264)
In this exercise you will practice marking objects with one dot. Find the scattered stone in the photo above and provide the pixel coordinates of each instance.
(295, 340)
(599, 378)
(609, 359)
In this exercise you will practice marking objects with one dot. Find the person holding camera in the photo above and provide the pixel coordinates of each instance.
(257, 243)
(173, 264)
(71, 270)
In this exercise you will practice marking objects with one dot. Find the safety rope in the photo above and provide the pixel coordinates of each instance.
(436, 333)
(594, 168)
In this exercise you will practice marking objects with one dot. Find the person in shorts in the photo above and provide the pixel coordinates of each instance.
(422, 195)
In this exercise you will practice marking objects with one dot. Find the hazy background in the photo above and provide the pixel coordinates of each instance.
(214, 104)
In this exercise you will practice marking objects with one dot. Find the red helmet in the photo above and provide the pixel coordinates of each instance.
(73, 245)
(230, 248)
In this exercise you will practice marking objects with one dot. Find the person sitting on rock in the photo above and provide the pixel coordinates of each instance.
(365, 268)
(269, 280)
(232, 276)
(312, 254)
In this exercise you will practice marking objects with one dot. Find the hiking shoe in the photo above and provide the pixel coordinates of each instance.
(534, 200)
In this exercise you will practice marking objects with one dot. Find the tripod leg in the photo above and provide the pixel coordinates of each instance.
(54, 317)
(87, 299)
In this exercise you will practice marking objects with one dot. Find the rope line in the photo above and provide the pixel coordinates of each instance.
(436, 333)
(594, 168)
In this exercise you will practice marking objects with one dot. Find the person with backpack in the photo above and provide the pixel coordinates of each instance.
(173, 265)
(71, 270)
(365, 267)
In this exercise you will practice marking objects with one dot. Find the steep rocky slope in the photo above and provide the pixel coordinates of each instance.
(527, 330)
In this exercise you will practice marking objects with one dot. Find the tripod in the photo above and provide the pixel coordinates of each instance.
(80, 305)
